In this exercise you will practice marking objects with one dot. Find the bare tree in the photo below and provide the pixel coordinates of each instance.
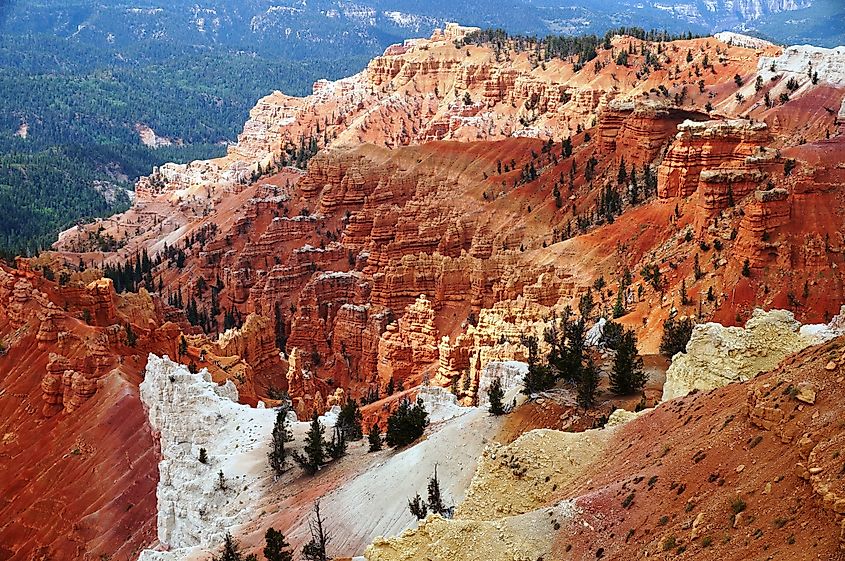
(315, 550)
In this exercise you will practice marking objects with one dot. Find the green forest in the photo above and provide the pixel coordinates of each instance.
(79, 107)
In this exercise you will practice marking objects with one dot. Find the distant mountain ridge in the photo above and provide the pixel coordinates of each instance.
(319, 27)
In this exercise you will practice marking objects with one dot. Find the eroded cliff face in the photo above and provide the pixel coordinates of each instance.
(666, 476)
(187, 412)
(426, 237)
(717, 356)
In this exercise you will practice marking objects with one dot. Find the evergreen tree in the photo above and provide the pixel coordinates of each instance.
(538, 378)
(435, 504)
(619, 306)
(337, 447)
(281, 436)
(676, 335)
(203, 457)
(276, 547)
(568, 340)
(418, 507)
(406, 424)
(611, 335)
(374, 438)
(314, 451)
(495, 394)
(588, 384)
(349, 421)
(231, 551)
(622, 176)
(586, 304)
(627, 376)
(435, 498)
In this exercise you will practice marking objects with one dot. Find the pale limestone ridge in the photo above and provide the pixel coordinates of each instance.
(740, 40)
(189, 412)
(801, 61)
(716, 355)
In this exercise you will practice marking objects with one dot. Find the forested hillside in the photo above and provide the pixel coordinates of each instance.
(72, 105)
(83, 84)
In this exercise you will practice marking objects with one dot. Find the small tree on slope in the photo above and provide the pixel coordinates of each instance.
(375, 438)
(281, 436)
(276, 547)
(349, 421)
(314, 452)
(315, 550)
(627, 376)
(232, 552)
(406, 424)
(496, 394)
(588, 384)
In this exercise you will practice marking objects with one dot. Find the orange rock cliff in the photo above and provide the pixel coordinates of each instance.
(459, 199)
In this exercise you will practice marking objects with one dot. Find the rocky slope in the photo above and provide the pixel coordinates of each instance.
(335, 257)
(429, 233)
(725, 474)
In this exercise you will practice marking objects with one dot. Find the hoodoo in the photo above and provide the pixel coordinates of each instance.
(492, 297)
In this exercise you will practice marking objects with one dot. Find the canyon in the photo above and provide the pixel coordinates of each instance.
(399, 233)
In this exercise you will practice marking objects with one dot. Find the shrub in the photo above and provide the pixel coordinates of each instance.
(676, 335)
(738, 505)
(406, 424)
(670, 543)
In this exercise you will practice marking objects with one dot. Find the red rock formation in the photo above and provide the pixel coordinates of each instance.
(709, 145)
(409, 346)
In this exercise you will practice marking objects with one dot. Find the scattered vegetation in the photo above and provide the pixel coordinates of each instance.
(406, 424)
(676, 335)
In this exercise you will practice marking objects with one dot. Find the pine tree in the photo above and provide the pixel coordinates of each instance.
(538, 378)
(586, 304)
(406, 424)
(495, 395)
(203, 457)
(619, 306)
(418, 507)
(676, 335)
(183, 345)
(349, 421)
(337, 447)
(276, 548)
(281, 436)
(588, 384)
(627, 376)
(314, 451)
(684, 296)
(435, 498)
(231, 550)
(374, 438)
(622, 176)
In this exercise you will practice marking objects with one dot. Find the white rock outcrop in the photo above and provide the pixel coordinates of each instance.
(439, 403)
(596, 333)
(740, 40)
(512, 376)
(716, 355)
(189, 412)
(801, 61)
